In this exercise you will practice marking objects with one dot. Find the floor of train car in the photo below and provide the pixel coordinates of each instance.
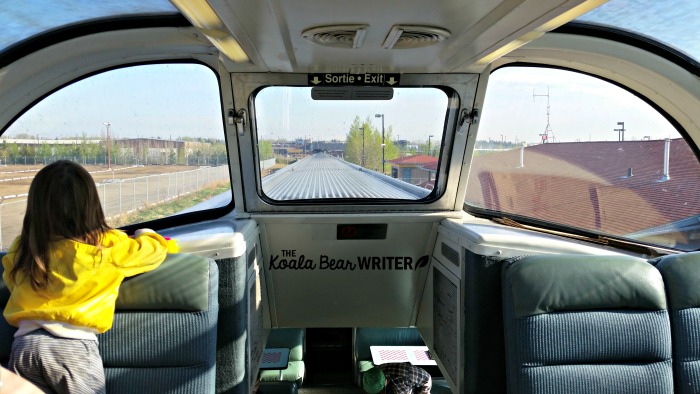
(328, 361)
(329, 364)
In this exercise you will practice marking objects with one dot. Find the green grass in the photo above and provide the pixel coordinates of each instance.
(158, 211)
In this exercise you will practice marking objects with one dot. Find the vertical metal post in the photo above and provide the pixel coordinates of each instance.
(362, 160)
(383, 144)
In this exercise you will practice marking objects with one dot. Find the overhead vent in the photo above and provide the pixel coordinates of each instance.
(352, 93)
(409, 36)
(337, 36)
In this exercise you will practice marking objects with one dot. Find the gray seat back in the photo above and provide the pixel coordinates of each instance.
(681, 275)
(586, 324)
(164, 334)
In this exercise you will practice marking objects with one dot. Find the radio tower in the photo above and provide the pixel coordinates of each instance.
(548, 133)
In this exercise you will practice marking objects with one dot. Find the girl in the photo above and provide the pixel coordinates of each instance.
(63, 273)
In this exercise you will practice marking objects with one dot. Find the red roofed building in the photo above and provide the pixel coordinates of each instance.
(411, 169)
(623, 188)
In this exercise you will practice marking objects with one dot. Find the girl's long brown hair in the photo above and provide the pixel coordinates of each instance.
(62, 204)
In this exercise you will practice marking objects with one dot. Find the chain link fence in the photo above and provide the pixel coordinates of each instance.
(123, 196)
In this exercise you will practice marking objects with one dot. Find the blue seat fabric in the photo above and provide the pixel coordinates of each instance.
(159, 343)
(681, 275)
(293, 339)
(585, 324)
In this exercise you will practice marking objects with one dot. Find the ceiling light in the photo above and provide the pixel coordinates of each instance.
(203, 17)
(550, 25)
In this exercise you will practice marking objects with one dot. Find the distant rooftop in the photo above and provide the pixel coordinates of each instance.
(588, 184)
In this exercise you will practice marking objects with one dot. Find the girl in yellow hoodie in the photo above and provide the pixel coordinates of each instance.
(63, 273)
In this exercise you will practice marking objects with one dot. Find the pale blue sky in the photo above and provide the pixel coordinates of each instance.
(184, 102)
(143, 101)
(582, 108)
(171, 101)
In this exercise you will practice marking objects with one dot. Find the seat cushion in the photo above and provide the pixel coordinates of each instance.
(295, 372)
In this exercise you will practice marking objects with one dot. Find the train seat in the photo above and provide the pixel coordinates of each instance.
(364, 337)
(681, 275)
(292, 338)
(278, 387)
(586, 324)
(440, 386)
(164, 334)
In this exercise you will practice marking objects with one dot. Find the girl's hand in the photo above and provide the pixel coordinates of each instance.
(142, 231)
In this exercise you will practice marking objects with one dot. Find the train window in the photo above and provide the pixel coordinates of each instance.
(151, 136)
(312, 149)
(575, 151)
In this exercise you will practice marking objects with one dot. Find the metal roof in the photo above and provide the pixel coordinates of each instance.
(323, 176)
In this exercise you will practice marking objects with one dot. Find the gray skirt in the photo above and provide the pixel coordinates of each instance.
(58, 365)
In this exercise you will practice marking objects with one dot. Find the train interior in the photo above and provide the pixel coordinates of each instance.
(379, 174)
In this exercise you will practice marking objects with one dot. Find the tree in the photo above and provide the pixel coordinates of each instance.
(265, 150)
(353, 142)
(181, 156)
(430, 147)
(13, 152)
(391, 151)
(45, 151)
(363, 144)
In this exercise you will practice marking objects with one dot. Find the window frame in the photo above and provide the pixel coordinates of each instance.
(464, 87)
(587, 235)
(169, 221)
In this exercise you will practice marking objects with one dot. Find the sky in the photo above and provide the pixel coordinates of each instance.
(178, 100)
(171, 101)
(581, 108)
(155, 101)
(412, 114)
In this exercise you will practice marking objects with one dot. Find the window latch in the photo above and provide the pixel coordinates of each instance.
(239, 118)
(470, 116)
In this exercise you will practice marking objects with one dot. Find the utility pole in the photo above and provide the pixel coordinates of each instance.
(109, 159)
(362, 161)
(429, 137)
(383, 144)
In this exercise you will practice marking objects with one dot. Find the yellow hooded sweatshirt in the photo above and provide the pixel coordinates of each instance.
(83, 279)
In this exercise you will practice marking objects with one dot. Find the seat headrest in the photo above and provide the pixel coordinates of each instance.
(681, 273)
(549, 283)
(181, 282)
